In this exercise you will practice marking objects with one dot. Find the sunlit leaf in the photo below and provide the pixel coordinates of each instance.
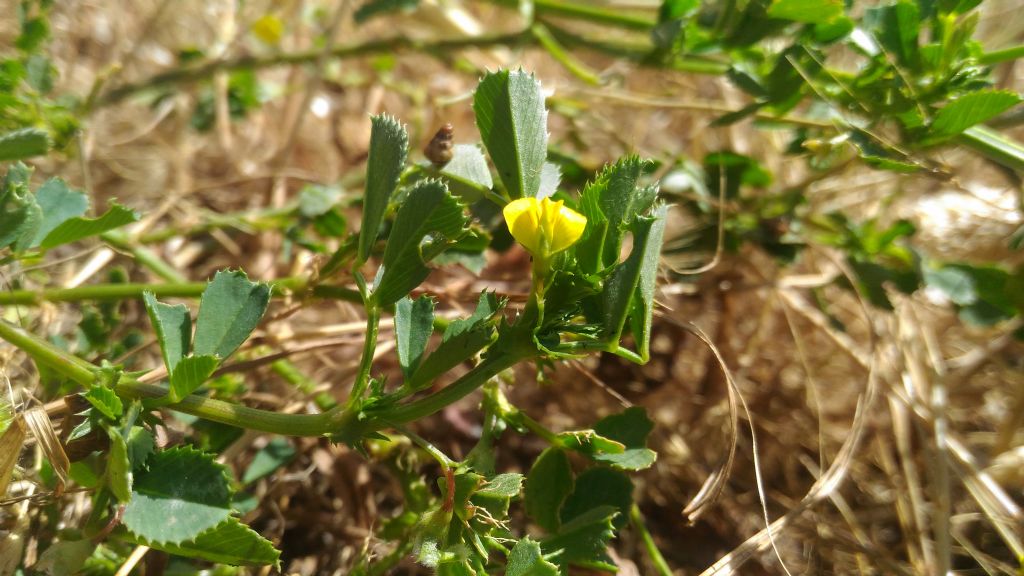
(173, 326)
(414, 323)
(229, 311)
(389, 146)
(183, 494)
(510, 114)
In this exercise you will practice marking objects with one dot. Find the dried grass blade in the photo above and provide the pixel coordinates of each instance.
(10, 448)
(39, 423)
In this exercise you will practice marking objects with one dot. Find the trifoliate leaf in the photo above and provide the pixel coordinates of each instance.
(229, 311)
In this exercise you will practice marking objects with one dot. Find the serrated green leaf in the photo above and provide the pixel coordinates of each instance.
(105, 401)
(277, 453)
(507, 485)
(414, 323)
(389, 146)
(75, 229)
(462, 339)
(624, 282)
(526, 560)
(140, 446)
(229, 542)
(467, 172)
(807, 11)
(173, 325)
(548, 484)
(630, 428)
(20, 215)
(189, 374)
(597, 487)
(610, 203)
(183, 494)
(584, 539)
(373, 8)
(643, 301)
(512, 120)
(487, 306)
(229, 311)
(23, 143)
(971, 109)
(428, 222)
(119, 468)
(59, 203)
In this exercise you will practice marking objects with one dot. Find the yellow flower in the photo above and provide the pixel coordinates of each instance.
(542, 226)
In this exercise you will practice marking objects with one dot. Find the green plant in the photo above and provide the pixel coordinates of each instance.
(181, 501)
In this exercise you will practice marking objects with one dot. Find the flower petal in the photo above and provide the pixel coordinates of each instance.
(569, 226)
(523, 219)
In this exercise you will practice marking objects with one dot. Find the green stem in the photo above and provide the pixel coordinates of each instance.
(205, 71)
(995, 146)
(999, 56)
(581, 11)
(67, 364)
(366, 360)
(652, 549)
(143, 256)
(569, 62)
(491, 366)
(105, 292)
(233, 414)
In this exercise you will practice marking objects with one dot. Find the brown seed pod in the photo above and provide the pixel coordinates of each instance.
(439, 150)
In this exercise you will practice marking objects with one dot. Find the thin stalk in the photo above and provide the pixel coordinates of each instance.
(568, 61)
(581, 11)
(67, 364)
(341, 423)
(205, 71)
(657, 559)
(999, 56)
(491, 366)
(143, 256)
(366, 360)
(233, 414)
(107, 292)
(995, 146)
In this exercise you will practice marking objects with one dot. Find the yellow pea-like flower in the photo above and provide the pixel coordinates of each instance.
(544, 227)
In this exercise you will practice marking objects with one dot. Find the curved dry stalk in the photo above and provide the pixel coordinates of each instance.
(715, 483)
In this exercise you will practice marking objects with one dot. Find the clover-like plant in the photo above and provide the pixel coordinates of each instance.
(584, 298)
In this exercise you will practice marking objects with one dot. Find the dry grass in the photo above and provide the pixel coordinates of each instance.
(890, 447)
